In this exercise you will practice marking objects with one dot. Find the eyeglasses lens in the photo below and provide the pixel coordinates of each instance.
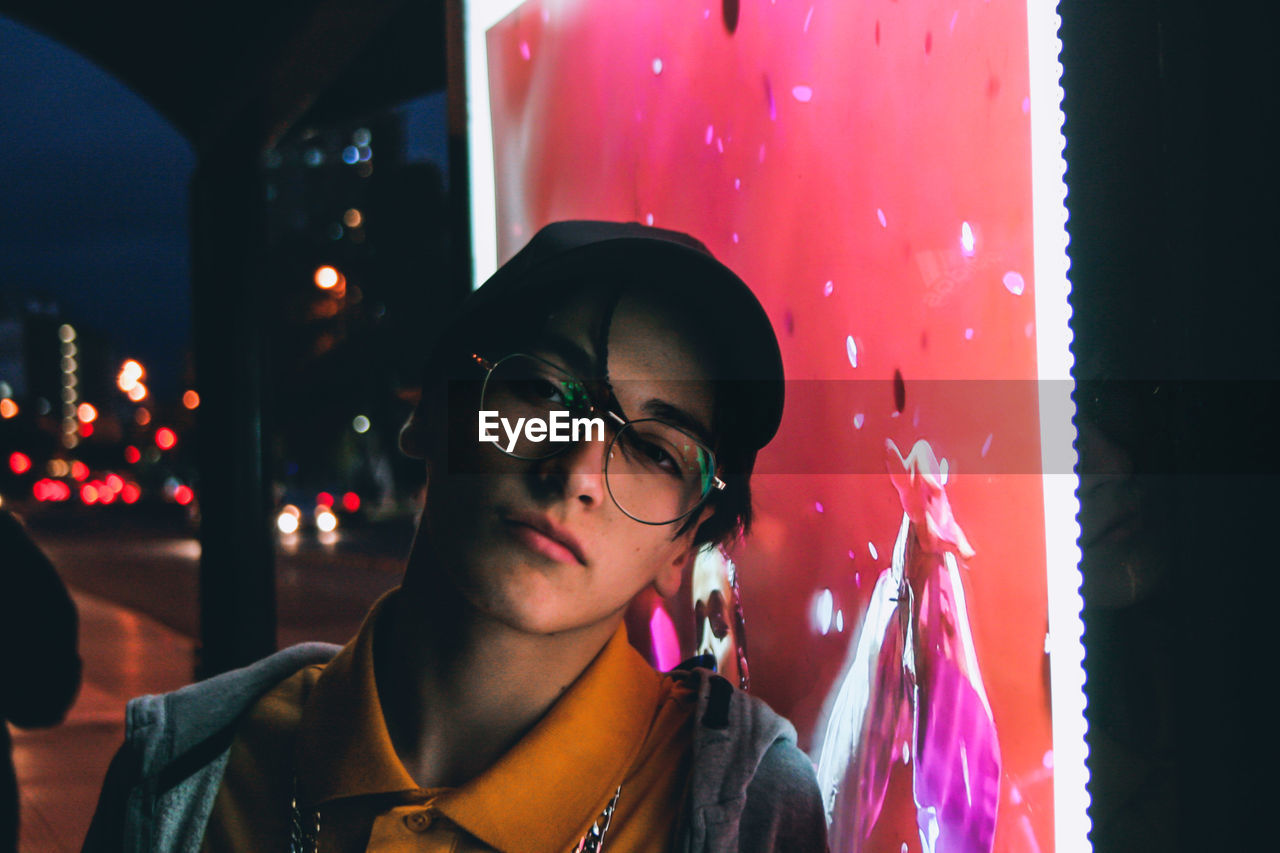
(521, 386)
(657, 472)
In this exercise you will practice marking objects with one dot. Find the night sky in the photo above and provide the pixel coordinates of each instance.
(94, 187)
(94, 211)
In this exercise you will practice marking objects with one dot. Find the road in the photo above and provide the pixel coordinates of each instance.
(151, 564)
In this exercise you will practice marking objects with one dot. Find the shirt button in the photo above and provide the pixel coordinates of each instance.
(418, 821)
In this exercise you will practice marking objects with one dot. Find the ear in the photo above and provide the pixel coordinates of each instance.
(667, 583)
(413, 436)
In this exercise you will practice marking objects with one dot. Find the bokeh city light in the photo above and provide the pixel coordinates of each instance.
(166, 438)
(326, 277)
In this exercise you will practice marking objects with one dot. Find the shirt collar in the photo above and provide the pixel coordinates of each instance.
(545, 791)
(542, 794)
(344, 748)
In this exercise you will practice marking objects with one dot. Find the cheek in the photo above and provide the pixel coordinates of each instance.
(648, 551)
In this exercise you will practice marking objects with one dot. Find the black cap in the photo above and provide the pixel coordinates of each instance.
(584, 250)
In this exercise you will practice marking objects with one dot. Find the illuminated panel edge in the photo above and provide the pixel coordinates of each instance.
(477, 18)
(1057, 432)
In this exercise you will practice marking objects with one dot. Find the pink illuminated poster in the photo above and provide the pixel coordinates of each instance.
(887, 176)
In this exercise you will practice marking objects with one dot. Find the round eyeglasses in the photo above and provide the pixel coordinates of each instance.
(656, 472)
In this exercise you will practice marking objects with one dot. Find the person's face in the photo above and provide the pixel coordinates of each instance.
(539, 544)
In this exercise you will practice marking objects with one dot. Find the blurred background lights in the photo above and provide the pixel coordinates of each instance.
(142, 416)
(131, 373)
(361, 136)
(86, 413)
(326, 277)
(50, 490)
(138, 393)
(324, 499)
(350, 155)
(66, 334)
(79, 471)
(166, 438)
(8, 408)
(326, 521)
(183, 495)
(19, 463)
(360, 424)
(823, 610)
(353, 218)
(190, 399)
(132, 455)
(351, 502)
(288, 518)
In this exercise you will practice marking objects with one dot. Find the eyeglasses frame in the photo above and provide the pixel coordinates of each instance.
(620, 421)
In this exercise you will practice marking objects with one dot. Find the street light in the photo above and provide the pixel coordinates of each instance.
(131, 374)
(326, 277)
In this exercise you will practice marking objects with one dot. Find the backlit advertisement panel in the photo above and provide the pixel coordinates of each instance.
(887, 177)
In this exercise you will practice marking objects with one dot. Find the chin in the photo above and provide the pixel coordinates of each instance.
(515, 594)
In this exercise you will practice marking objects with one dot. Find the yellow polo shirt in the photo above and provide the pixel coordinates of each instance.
(321, 733)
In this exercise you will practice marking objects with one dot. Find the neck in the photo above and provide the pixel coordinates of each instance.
(458, 688)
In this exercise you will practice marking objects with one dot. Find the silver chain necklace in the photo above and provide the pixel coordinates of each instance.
(304, 834)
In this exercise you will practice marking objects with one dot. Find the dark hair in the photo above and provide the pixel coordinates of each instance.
(730, 508)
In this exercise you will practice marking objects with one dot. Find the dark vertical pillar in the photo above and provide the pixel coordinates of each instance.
(237, 570)
(460, 260)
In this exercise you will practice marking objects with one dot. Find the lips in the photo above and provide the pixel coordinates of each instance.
(536, 529)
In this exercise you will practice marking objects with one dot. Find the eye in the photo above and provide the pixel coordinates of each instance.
(716, 615)
(652, 454)
(547, 389)
(542, 384)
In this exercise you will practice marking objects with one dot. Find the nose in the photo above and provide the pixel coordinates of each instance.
(576, 474)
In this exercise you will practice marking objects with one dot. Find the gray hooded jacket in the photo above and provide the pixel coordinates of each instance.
(751, 788)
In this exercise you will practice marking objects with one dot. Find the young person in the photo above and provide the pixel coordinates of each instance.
(492, 702)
